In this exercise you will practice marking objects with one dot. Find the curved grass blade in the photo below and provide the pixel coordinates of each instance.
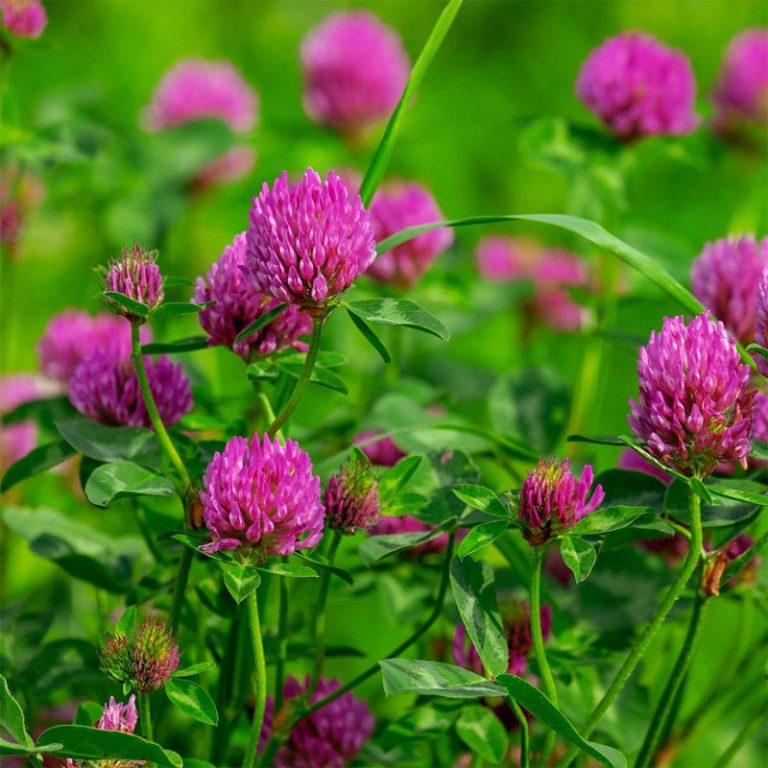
(375, 172)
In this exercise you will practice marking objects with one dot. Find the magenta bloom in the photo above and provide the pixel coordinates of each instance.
(262, 496)
(517, 630)
(503, 259)
(555, 266)
(238, 304)
(633, 461)
(23, 18)
(72, 335)
(639, 87)
(761, 321)
(741, 92)
(724, 279)
(694, 410)
(352, 498)
(760, 420)
(397, 207)
(553, 500)
(105, 387)
(383, 452)
(355, 69)
(17, 440)
(308, 241)
(195, 89)
(331, 737)
(118, 716)
(136, 275)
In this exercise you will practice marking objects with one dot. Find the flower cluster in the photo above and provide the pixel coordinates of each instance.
(135, 274)
(694, 409)
(145, 660)
(724, 278)
(553, 500)
(23, 18)
(105, 387)
(639, 87)
(331, 737)
(261, 497)
(355, 69)
(238, 304)
(396, 207)
(352, 498)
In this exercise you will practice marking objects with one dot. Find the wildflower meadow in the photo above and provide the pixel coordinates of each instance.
(383, 383)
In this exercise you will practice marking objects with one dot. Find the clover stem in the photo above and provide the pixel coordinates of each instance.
(145, 716)
(259, 679)
(319, 628)
(520, 716)
(282, 640)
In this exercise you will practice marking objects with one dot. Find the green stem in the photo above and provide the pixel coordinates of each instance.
(259, 680)
(638, 651)
(537, 636)
(182, 577)
(304, 376)
(226, 703)
(282, 641)
(742, 737)
(322, 599)
(521, 719)
(145, 716)
(662, 717)
(143, 524)
(154, 415)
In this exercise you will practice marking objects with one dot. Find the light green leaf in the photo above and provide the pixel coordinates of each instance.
(195, 669)
(122, 479)
(481, 498)
(291, 570)
(435, 678)
(127, 303)
(578, 555)
(606, 519)
(398, 312)
(260, 322)
(376, 548)
(370, 336)
(12, 716)
(193, 700)
(480, 729)
(240, 580)
(481, 536)
(35, 462)
(177, 308)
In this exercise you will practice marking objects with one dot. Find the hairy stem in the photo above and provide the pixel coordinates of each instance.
(145, 716)
(304, 377)
(638, 651)
(520, 716)
(662, 717)
(259, 679)
(322, 599)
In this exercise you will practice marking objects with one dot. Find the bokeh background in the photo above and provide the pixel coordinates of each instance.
(72, 106)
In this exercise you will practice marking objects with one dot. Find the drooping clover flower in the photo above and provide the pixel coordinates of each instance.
(694, 409)
(394, 208)
(308, 241)
(553, 500)
(639, 87)
(352, 498)
(105, 387)
(73, 334)
(761, 321)
(724, 277)
(516, 622)
(146, 659)
(355, 69)
(238, 304)
(196, 89)
(261, 496)
(18, 439)
(331, 737)
(23, 18)
(383, 452)
(135, 274)
(741, 92)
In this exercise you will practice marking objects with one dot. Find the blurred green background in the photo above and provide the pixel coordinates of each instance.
(79, 92)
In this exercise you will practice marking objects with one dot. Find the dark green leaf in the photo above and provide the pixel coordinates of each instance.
(596, 439)
(190, 344)
(650, 526)
(321, 562)
(606, 519)
(111, 443)
(240, 580)
(480, 729)
(736, 508)
(45, 411)
(481, 536)
(9, 748)
(193, 700)
(195, 669)
(542, 709)
(370, 336)
(376, 169)
(260, 322)
(481, 498)
(759, 449)
(739, 494)
(12, 716)
(436, 679)
(394, 479)
(35, 462)
(762, 351)
(171, 281)
(403, 504)
(376, 548)
(398, 312)
(474, 590)
(83, 743)
(122, 479)
(627, 488)
(127, 303)
(578, 555)
(177, 308)
(88, 713)
(127, 622)
(291, 570)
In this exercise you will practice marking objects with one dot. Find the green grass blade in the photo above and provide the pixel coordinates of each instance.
(375, 172)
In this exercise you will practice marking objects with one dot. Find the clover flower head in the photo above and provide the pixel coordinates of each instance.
(260, 497)
(355, 69)
(135, 274)
(23, 18)
(761, 321)
(552, 499)
(308, 241)
(238, 304)
(105, 387)
(695, 405)
(352, 497)
(639, 87)
(396, 207)
(724, 278)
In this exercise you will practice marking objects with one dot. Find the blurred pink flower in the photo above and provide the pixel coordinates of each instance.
(504, 259)
(383, 452)
(23, 18)
(17, 440)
